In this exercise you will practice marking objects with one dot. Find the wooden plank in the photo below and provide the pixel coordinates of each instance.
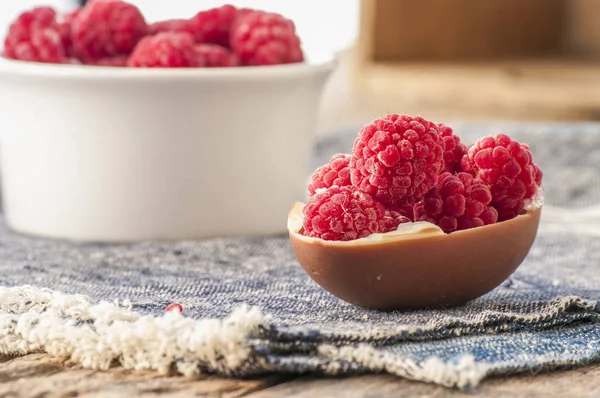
(40, 375)
(466, 29)
(583, 29)
(582, 383)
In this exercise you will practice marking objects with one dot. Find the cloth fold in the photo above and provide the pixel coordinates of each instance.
(250, 309)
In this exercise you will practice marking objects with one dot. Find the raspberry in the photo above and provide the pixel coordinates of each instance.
(173, 25)
(65, 22)
(397, 159)
(457, 202)
(454, 149)
(35, 36)
(118, 61)
(262, 38)
(213, 25)
(107, 28)
(213, 55)
(345, 213)
(506, 166)
(165, 50)
(336, 172)
(404, 211)
(391, 220)
(244, 11)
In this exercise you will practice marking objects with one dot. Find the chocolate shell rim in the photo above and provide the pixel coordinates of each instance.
(424, 230)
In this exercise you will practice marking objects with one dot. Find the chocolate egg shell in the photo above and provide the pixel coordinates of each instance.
(423, 269)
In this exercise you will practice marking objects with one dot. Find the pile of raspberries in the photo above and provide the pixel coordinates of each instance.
(407, 169)
(115, 33)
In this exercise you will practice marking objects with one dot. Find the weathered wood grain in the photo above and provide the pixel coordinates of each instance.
(582, 383)
(40, 375)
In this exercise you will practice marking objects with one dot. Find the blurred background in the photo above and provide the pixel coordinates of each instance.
(448, 60)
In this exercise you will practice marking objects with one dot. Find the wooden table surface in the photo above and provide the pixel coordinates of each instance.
(40, 375)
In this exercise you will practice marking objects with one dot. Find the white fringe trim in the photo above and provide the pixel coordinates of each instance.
(100, 335)
(36, 320)
(463, 374)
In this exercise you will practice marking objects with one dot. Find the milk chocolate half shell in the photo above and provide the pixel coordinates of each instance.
(418, 266)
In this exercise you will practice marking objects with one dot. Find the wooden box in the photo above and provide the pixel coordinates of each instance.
(462, 29)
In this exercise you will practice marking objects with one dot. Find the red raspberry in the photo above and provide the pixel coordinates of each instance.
(345, 213)
(244, 11)
(173, 25)
(107, 28)
(457, 202)
(454, 149)
(65, 22)
(213, 55)
(35, 36)
(391, 220)
(507, 167)
(262, 38)
(336, 172)
(405, 211)
(213, 25)
(397, 159)
(117, 61)
(165, 50)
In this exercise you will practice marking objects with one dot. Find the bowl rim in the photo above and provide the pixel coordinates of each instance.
(319, 63)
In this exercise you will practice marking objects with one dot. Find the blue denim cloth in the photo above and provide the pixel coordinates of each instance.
(546, 316)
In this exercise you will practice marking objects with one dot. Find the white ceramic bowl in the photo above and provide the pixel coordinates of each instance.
(119, 154)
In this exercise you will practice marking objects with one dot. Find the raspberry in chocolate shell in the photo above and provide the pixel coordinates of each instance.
(336, 172)
(456, 203)
(345, 213)
(454, 149)
(397, 159)
(506, 166)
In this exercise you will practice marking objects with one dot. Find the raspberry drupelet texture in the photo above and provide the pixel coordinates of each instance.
(107, 28)
(345, 213)
(213, 26)
(65, 23)
(456, 203)
(397, 159)
(336, 172)
(263, 38)
(244, 11)
(35, 36)
(174, 25)
(391, 220)
(165, 50)
(405, 211)
(506, 166)
(214, 56)
(454, 149)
